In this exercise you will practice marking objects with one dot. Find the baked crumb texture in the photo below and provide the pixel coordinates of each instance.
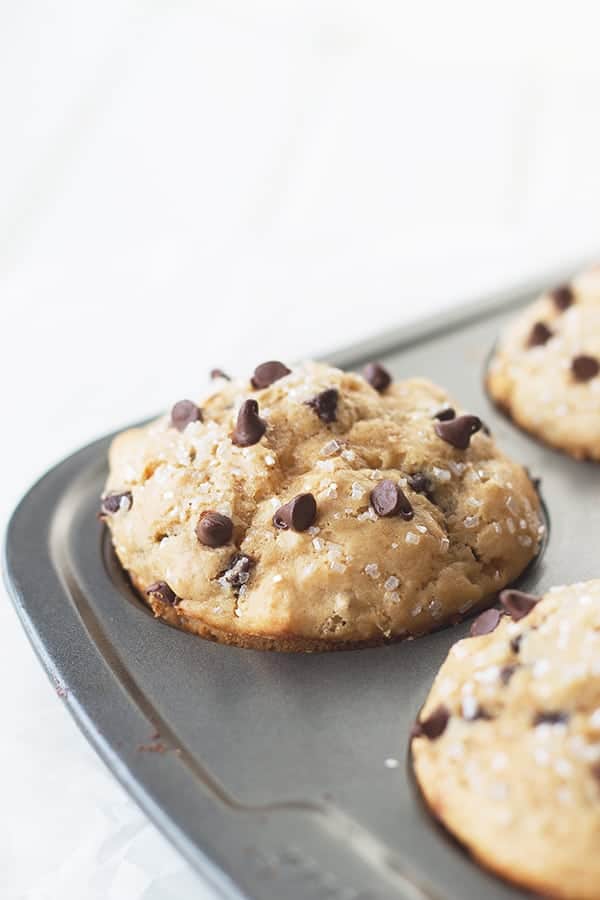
(545, 373)
(507, 747)
(317, 509)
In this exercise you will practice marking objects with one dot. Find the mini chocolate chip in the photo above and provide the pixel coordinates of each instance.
(161, 591)
(112, 503)
(214, 529)
(267, 373)
(585, 367)
(595, 770)
(458, 432)
(551, 717)
(507, 672)
(325, 404)
(515, 643)
(249, 426)
(485, 622)
(299, 514)
(479, 712)
(434, 725)
(563, 296)
(445, 415)
(539, 334)
(378, 377)
(237, 572)
(183, 413)
(517, 603)
(420, 484)
(219, 373)
(387, 499)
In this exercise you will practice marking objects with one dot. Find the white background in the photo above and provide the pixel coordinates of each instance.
(184, 185)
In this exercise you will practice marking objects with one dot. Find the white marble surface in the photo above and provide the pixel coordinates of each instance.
(194, 184)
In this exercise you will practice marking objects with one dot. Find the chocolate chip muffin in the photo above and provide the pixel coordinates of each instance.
(507, 747)
(545, 373)
(317, 510)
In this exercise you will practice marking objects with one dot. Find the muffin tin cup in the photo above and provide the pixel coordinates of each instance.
(277, 775)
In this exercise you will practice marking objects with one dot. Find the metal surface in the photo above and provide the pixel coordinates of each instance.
(269, 771)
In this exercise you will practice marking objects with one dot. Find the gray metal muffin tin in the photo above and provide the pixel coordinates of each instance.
(270, 771)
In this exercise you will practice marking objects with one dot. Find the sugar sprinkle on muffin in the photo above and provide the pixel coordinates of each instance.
(313, 509)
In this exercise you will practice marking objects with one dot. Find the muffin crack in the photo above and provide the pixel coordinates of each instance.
(353, 509)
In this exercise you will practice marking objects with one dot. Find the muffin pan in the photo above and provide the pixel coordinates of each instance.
(277, 775)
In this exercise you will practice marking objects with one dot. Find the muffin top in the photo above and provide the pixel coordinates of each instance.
(507, 747)
(546, 371)
(316, 508)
